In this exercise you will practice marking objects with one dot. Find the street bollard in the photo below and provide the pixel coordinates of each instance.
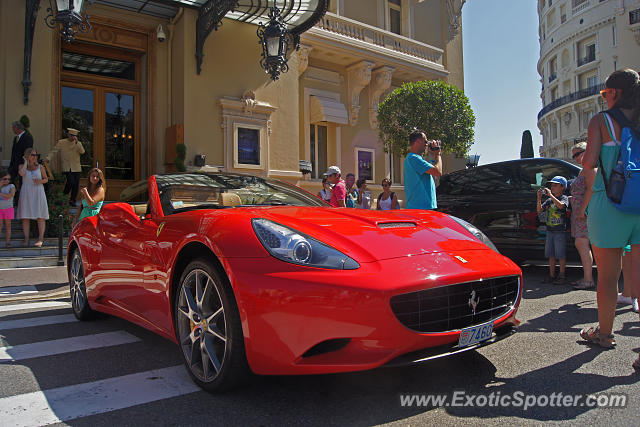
(60, 228)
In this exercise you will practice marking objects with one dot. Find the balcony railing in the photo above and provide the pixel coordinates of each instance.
(552, 77)
(586, 59)
(379, 37)
(575, 96)
(634, 16)
(579, 5)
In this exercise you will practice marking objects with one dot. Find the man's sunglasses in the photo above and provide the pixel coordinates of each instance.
(577, 154)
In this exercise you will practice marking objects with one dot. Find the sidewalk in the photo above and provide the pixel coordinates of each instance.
(19, 284)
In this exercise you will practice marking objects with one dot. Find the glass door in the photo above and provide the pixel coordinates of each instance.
(77, 113)
(100, 91)
(120, 136)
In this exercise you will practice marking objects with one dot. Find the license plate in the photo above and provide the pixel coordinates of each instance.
(475, 334)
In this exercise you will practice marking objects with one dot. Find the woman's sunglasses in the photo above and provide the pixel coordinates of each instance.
(604, 92)
(577, 154)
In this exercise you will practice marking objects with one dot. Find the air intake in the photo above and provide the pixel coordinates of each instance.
(327, 346)
(397, 225)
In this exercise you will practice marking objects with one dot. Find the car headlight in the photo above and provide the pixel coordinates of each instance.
(476, 232)
(288, 245)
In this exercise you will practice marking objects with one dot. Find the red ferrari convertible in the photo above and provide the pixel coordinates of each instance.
(253, 275)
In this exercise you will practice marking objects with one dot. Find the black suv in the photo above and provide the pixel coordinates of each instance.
(500, 199)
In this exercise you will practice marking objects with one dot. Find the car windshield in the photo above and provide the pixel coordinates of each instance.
(189, 191)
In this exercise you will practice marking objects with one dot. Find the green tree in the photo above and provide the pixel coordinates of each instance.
(438, 108)
(526, 149)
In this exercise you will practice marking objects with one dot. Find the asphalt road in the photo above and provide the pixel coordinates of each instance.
(133, 377)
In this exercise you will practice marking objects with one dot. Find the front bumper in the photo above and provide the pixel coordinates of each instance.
(286, 310)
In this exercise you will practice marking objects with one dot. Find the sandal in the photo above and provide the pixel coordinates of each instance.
(38, 244)
(548, 279)
(584, 285)
(592, 335)
(560, 280)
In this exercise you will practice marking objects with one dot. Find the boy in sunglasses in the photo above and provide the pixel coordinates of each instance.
(555, 208)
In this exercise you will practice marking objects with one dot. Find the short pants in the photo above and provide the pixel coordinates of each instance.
(556, 245)
(6, 213)
(608, 227)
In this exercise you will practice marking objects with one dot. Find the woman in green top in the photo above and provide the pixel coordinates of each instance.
(610, 230)
(92, 195)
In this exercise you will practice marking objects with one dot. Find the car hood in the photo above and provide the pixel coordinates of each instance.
(376, 235)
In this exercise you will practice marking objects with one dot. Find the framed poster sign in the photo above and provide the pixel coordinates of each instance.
(365, 166)
(248, 146)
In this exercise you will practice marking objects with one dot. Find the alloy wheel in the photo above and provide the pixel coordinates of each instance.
(77, 285)
(202, 328)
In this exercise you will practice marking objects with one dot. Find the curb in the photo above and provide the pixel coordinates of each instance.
(58, 292)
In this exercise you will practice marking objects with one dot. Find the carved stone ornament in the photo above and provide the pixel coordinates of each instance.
(358, 76)
(380, 82)
(303, 58)
(248, 101)
(454, 11)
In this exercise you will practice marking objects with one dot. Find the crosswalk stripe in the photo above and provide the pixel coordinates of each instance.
(33, 305)
(65, 345)
(5, 325)
(71, 402)
(11, 291)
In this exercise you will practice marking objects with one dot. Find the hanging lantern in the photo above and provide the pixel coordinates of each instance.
(67, 13)
(275, 40)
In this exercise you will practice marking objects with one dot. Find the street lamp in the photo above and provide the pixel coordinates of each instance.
(275, 40)
(67, 13)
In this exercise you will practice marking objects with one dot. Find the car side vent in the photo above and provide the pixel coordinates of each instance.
(397, 225)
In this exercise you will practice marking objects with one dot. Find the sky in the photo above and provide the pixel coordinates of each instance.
(501, 52)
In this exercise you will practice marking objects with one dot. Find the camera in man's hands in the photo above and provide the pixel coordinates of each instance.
(434, 145)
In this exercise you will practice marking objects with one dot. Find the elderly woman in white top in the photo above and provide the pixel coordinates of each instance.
(33, 201)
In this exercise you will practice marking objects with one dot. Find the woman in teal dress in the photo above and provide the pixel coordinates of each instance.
(92, 195)
(610, 230)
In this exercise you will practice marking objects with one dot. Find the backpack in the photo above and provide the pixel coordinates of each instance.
(629, 155)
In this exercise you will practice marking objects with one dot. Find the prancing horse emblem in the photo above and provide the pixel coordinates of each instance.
(160, 227)
(473, 301)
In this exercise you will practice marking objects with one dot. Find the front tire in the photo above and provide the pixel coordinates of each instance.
(208, 329)
(78, 289)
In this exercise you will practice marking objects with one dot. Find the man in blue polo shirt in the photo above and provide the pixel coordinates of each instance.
(418, 173)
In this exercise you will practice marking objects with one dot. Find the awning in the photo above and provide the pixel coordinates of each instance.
(323, 109)
(298, 15)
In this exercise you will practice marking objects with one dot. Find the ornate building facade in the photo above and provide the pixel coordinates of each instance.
(581, 43)
(150, 74)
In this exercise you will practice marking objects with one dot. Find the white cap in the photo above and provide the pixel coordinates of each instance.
(332, 170)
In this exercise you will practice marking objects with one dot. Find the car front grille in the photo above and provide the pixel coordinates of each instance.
(451, 307)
